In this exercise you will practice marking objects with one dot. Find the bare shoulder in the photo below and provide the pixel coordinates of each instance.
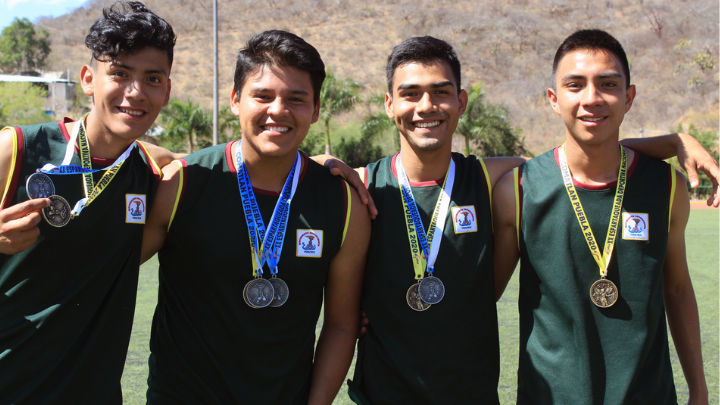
(161, 155)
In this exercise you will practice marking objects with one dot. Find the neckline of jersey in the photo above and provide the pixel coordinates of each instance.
(66, 135)
(438, 182)
(598, 187)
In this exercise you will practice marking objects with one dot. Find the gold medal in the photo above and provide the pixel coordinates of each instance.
(413, 299)
(604, 293)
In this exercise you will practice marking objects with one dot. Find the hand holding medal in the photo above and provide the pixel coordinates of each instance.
(428, 290)
(603, 293)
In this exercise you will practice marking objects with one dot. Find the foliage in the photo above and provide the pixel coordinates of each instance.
(377, 124)
(709, 141)
(487, 125)
(313, 144)
(358, 152)
(337, 96)
(704, 61)
(228, 125)
(21, 103)
(185, 124)
(22, 48)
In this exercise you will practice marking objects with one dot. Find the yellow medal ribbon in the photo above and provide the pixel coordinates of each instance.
(602, 258)
(92, 191)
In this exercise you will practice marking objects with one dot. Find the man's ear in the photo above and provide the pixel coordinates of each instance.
(629, 97)
(388, 106)
(316, 112)
(167, 94)
(463, 98)
(234, 104)
(87, 76)
(552, 98)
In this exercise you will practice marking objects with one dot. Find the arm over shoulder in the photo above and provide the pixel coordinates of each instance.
(505, 226)
(162, 211)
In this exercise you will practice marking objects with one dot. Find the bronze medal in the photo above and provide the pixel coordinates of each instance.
(413, 299)
(604, 293)
(58, 213)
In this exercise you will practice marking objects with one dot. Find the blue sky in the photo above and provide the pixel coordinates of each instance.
(32, 9)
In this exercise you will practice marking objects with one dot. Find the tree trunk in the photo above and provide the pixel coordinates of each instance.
(328, 150)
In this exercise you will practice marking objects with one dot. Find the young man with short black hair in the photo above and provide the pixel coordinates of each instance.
(68, 274)
(242, 283)
(600, 231)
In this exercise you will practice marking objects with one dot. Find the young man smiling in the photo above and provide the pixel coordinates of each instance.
(593, 303)
(419, 349)
(252, 236)
(69, 279)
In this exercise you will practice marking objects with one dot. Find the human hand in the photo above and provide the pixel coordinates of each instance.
(18, 225)
(338, 168)
(693, 157)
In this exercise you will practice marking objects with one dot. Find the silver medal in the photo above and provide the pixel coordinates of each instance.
(413, 299)
(431, 290)
(58, 213)
(258, 293)
(281, 292)
(39, 185)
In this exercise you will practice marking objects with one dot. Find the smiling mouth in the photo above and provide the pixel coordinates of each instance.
(427, 124)
(276, 129)
(587, 119)
(131, 112)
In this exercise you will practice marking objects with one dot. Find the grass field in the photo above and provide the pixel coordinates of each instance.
(702, 246)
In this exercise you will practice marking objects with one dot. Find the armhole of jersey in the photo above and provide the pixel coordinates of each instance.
(673, 187)
(157, 170)
(14, 172)
(516, 182)
(180, 190)
(489, 188)
(348, 210)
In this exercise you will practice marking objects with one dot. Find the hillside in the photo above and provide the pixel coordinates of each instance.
(506, 45)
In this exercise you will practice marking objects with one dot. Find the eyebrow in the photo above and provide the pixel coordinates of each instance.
(606, 75)
(410, 86)
(266, 89)
(132, 69)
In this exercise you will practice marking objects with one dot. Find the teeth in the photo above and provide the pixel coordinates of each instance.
(427, 124)
(132, 112)
(591, 119)
(277, 129)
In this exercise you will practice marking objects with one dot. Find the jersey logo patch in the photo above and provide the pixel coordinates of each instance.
(309, 243)
(135, 208)
(464, 219)
(635, 226)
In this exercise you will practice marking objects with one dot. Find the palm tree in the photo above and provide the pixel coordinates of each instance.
(488, 124)
(377, 123)
(336, 96)
(188, 123)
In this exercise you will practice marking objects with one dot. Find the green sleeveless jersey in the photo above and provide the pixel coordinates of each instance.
(448, 354)
(67, 303)
(571, 351)
(208, 346)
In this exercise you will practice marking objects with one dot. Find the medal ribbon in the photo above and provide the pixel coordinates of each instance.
(91, 191)
(602, 259)
(422, 249)
(272, 241)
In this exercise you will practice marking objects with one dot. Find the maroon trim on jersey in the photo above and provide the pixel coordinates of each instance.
(595, 187)
(16, 169)
(150, 161)
(520, 203)
(229, 158)
(184, 181)
(66, 135)
(438, 182)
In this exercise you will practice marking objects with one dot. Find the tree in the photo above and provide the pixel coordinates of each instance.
(187, 124)
(21, 104)
(336, 96)
(22, 48)
(377, 123)
(488, 125)
(229, 125)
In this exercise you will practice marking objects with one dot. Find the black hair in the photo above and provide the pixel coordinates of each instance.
(279, 48)
(591, 40)
(423, 50)
(128, 27)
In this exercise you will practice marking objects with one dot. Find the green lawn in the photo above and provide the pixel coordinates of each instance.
(702, 246)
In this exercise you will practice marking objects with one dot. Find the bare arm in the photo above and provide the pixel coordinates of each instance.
(336, 344)
(691, 156)
(506, 243)
(680, 303)
(339, 168)
(498, 166)
(156, 228)
(18, 224)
